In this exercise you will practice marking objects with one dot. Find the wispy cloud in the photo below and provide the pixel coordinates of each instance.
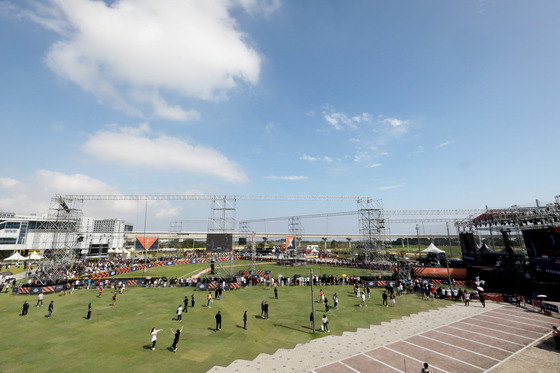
(270, 127)
(340, 120)
(419, 150)
(287, 177)
(374, 165)
(391, 187)
(309, 158)
(443, 144)
(395, 122)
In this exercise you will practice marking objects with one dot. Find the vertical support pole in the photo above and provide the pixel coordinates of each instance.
(312, 301)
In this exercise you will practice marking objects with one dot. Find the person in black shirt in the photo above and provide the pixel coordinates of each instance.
(218, 321)
(176, 339)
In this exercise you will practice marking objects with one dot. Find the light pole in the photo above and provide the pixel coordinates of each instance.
(312, 302)
(418, 238)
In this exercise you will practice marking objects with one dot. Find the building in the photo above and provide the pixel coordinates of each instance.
(88, 236)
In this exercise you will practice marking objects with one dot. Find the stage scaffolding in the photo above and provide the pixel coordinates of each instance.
(59, 241)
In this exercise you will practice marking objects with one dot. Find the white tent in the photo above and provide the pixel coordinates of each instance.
(15, 257)
(35, 256)
(432, 249)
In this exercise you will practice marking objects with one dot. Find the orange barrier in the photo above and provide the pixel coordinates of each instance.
(439, 272)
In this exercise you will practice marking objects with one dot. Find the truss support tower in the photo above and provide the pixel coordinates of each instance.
(60, 241)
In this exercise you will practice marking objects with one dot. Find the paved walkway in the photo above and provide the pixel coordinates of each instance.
(451, 339)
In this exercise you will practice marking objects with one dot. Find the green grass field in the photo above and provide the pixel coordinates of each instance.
(118, 338)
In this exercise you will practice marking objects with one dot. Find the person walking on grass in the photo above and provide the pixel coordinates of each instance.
(335, 299)
(88, 317)
(180, 313)
(192, 301)
(40, 299)
(363, 303)
(114, 299)
(218, 321)
(154, 337)
(51, 308)
(209, 298)
(245, 320)
(186, 303)
(177, 335)
(24, 308)
(392, 299)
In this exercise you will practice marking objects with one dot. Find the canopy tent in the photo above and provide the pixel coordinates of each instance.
(15, 257)
(432, 249)
(35, 256)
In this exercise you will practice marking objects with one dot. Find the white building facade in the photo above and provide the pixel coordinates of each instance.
(88, 236)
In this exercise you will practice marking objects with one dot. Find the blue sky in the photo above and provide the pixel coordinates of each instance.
(424, 105)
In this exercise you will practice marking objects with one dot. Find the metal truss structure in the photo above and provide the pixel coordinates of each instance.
(223, 211)
(512, 220)
(62, 236)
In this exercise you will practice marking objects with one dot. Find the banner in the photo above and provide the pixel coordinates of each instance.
(290, 242)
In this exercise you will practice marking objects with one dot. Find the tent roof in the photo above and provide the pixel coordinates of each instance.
(432, 249)
(16, 256)
(35, 256)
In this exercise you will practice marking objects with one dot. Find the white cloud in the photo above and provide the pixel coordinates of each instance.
(309, 158)
(446, 143)
(7, 183)
(373, 165)
(138, 147)
(287, 177)
(395, 122)
(391, 187)
(419, 150)
(338, 119)
(270, 127)
(34, 196)
(131, 53)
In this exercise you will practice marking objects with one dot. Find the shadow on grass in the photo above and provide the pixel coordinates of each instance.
(147, 347)
(289, 327)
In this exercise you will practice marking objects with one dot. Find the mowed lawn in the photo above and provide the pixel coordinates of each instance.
(118, 338)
